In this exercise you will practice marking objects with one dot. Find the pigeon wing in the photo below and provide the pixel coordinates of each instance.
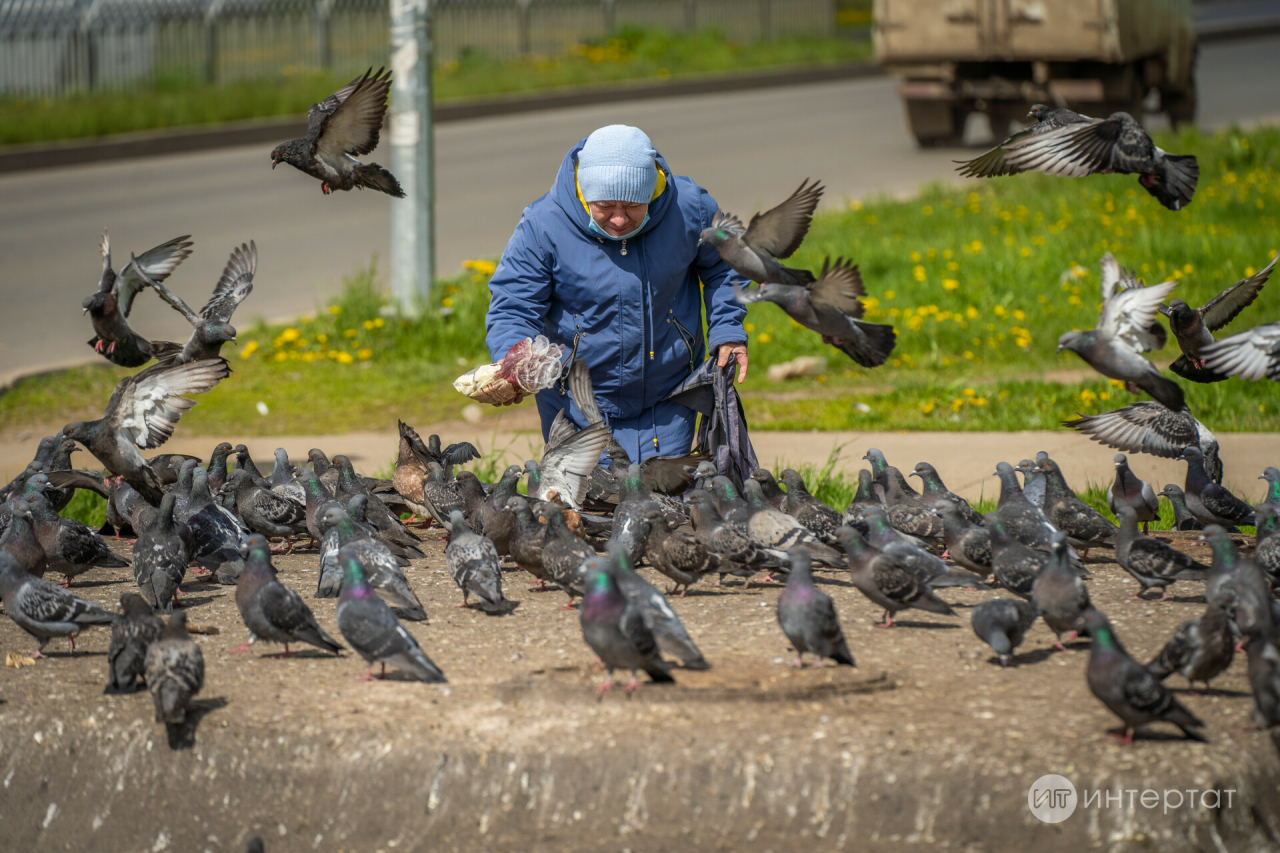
(1223, 308)
(351, 126)
(234, 285)
(1254, 354)
(839, 285)
(562, 429)
(583, 392)
(1069, 152)
(460, 453)
(41, 601)
(156, 265)
(146, 407)
(568, 466)
(1145, 427)
(780, 230)
(1129, 313)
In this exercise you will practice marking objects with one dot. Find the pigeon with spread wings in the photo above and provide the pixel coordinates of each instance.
(1094, 146)
(754, 251)
(1251, 355)
(1194, 327)
(340, 128)
(212, 328)
(109, 307)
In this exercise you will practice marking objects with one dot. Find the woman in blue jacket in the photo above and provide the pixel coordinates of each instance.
(608, 264)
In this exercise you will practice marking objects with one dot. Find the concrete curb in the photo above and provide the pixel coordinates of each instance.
(261, 131)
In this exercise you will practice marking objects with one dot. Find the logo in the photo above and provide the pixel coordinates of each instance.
(1052, 798)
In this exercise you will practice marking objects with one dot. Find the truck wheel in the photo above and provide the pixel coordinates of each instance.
(935, 123)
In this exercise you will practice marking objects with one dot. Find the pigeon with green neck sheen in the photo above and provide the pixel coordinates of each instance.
(1267, 542)
(886, 581)
(934, 490)
(1153, 563)
(60, 460)
(374, 632)
(175, 674)
(967, 544)
(831, 306)
(315, 496)
(1026, 522)
(160, 555)
(729, 503)
(1085, 527)
(754, 251)
(1128, 688)
(771, 528)
(634, 504)
(737, 554)
(808, 617)
(1182, 517)
(1238, 584)
(387, 522)
(1200, 649)
(379, 566)
(1272, 476)
(43, 610)
(1209, 502)
(132, 632)
(1128, 490)
(563, 555)
(272, 611)
(216, 532)
(907, 512)
(475, 567)
(1059, 594)
(667, 629)
(880, 465)
(808, 510)
(864, 496)
(1002, 623)
(70, 548)
(217, 467)
(614, 628)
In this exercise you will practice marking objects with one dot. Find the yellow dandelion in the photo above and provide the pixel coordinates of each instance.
(971, 312)
(335, 309)
(290, 334)
(927, 408)
(749, 327)
(919, 272)
(350, 333)
(364, 354)
(482, 267)
(915, 257)
(763, 338)
(969, 392)
(1025, 251)
(345, 358)
(927, 210)
(446, 302)
(378, 322)
(368, 325)
(281, 356)
(322, 338)
(249, 349)
(957, 404)
(889, 294)
(980, 401)
(855, 205)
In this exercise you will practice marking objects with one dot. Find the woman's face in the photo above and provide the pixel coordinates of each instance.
(618, 217)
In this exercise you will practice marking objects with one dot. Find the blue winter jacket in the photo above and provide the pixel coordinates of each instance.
(633, 308)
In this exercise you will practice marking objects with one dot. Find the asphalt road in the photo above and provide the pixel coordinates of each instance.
(748, 148)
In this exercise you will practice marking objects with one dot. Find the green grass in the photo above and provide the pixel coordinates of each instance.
(178, 99)
(977, 325)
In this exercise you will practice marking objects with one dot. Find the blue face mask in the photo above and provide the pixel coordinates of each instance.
(603, 233)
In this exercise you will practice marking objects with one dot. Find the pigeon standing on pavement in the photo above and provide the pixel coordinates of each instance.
(806, 509)
(340, 128)
(1200, 649)
(1093, 146)
(1002, 623)
(886, 581)
(375, 633)
(1267, 542)
(216, 532)
(771, 528)
(1033, 482)
(1194, 327)
(678, 554)
(1128, 490)
(1264, 679)
(831, 306)
(1014, 565)
(160, 554)
(808, 616)
(20, 541)
(266, 512)
(1127, 687)
(1237, 584)
(614, 629)
(136, 628)
(1085, 527)
(143, 410)
(175, 674)
(933, 490)
(1251, 355)
(1182, 517)
(70, 548)
(1152, 563)
(754, 251)
(1059, 594)
(43, 610)
(1209, 502)
(475, 566)
(563, 555)
(378, 565)
(737, 554)
(272, 611)
(967, 544)
(109, 308)
(212, 328)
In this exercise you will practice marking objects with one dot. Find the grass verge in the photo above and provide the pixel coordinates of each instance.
(178, 100)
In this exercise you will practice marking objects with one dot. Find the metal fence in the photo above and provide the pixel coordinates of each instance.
(51, 47)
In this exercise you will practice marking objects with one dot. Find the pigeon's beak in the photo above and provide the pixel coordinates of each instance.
(274, 163)
(914, 474)
(233, 340)
(1163, 309)
(745, 295)
(85, 311)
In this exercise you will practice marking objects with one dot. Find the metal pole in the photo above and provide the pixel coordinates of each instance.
(412, 161)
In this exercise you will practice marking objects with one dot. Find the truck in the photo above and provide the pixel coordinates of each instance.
(998, 57)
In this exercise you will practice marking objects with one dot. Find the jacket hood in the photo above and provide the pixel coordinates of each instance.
(565, 193)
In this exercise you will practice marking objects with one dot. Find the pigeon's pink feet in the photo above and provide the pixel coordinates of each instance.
(887, 623)
(568, 606)
(1125, 739)
(111, 347)
(240, 649)
(797, 663)
(286, 652)
(603, 687)
(37, 655)
(631, 686)
(71, 641)
(1058, 647)
(324, 188)
(462, 605)
(369, 676)
(1240, 648)
(1072, 637)
(946, 553)
(98, 346)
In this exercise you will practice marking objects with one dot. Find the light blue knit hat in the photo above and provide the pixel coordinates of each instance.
(617, 163)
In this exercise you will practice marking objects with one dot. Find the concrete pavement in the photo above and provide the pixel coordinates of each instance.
(749, 148)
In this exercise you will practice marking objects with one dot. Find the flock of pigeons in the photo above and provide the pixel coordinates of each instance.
(582, 527)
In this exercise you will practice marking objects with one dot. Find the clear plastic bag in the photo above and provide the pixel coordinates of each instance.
(530, 365)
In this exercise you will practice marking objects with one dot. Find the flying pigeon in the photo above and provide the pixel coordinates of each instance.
(272, 611)
(160, 554)
(1128, 490)
(175, 674)
(1115, 347)
(832, 307)
(475, 566)
(1059, 594)
(1116, 144)
(1200, 649)
(43, 610)
(341, 127)
(1147, 427)
(1252, 355)
(1209, 502)
(1126, 687)
(567, 464)
(1194, 327)
(1002, 623)
(614, 629)
(110, 306)
(143, 410)
(212, 328)
(375, 633)
(1152, 563)
(808, 616)
(754, 251)
(136, 628)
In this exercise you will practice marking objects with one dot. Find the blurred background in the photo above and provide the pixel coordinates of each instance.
(155, 118)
